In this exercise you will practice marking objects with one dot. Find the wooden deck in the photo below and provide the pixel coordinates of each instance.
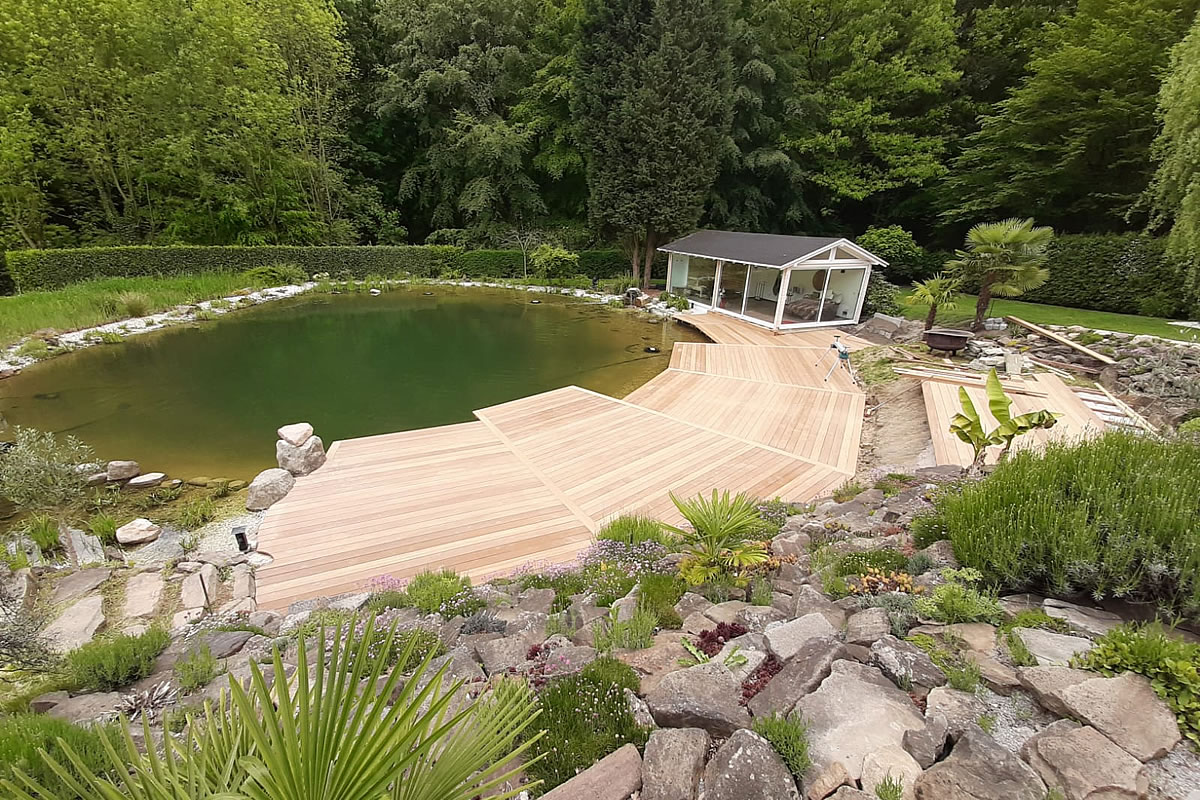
(941, 404)
(532, 479)
(724, 329)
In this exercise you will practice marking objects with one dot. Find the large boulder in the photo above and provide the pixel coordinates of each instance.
(704, 696)
(807, 600)
(1046, 684)
(961, 710)
(674, 763)
(300, 460)
(854, 712)
(1051, 649)
(121, 470)
(656, 661)
(504, 654)
(139, 531)
(1126, 710)
(906, 663)
(801, 675)
(980, 769)
(785, 641)
(77, 625)
(748, 768)
(617, 776)
(890, 762)
(725, 612)
(1084, 765)
(268, 488)
(868, 626)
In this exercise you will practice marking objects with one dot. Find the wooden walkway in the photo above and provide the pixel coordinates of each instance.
(532, 479)
(724, 329)
(1046, 392)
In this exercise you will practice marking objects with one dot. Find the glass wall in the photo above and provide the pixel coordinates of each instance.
(841, 298)
(803, 302)
(733, 287)
(693, 277)
(763, 293)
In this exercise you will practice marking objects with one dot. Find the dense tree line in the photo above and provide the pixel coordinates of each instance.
(475, 122)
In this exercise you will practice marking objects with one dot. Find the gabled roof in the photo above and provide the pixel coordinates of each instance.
(761, 249)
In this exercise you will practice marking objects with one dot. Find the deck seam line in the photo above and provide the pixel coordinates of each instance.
(858, 393)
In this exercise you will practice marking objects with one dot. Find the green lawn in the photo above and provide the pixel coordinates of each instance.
(83, 305)
(1040, 314)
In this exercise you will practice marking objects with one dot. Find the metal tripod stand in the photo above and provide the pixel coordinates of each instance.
(842, 359)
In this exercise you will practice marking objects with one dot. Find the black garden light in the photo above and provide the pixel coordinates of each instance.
(239, 535)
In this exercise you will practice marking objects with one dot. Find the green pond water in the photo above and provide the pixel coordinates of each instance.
(206, 399)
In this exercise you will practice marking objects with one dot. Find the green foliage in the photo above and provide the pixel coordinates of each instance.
(105, 664)
(936, 292)
(23, 735)
(410, 648)
(635, 633)
(104, 527)
(789, 737)
(43, 530)
(907, 260)
(564, 584)
(658, 593)
(39, 472)
(196, 668)
(36, 349)
(553, 263)
(1092, 90)
(890, 788)
(491, 263)
(1003, 258)
(884, 560)
(1047, 521)
(718, 541)
(586, 717)
(197, 512)
(430, 591)
(760, 592)
(967, 425)
(384, 729)
(278, 274)
(1171, 664)
(635, 529)
(847, 491)
(1018, 651)
(134, 304)
(881, 298)
(962, 673)
(901, 608)
(1189, 427)
(387, 598)
(958, 600)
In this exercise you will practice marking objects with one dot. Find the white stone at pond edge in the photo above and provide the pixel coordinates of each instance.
(1052, 649)
(300, 460)
(122, 470)
(268, 487)
(295, 434)
(146, 481)
(140, 531)
(77, 625)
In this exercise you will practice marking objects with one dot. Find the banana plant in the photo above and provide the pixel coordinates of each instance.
(346, 730)
(968, 425)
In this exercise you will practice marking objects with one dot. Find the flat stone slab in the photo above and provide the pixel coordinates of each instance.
(785, 641)
(704, 696)
(79, 583)
(1127, 711)
(1052, 649)
(142, 595)
(674, 763)
(1092, 621)
(77, 625)
(88, 549)
(617, 776)
(748, 768)
(1082, 763)
(146, 481)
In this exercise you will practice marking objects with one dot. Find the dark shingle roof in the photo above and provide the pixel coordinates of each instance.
(766, 249)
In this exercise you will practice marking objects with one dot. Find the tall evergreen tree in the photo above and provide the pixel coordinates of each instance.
(1071, 145)
(653, 104)
(1175, 193)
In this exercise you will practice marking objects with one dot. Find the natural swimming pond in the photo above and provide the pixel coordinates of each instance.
(206, 399)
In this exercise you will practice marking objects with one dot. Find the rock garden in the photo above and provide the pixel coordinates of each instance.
(914, 636)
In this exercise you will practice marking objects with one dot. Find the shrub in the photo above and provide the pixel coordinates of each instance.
(104, 527)
(712, 641)
(658, 593)
(885, 560)
(882, 298)
(847, 491)
(424, 642)
(634, 529)
(719, 541)
(486, 622)
(196, 669)
(43, 530)
(197, 512)
(554, 263)
(35, 270)
(22, 646)
(34, 348)
(428, 591)
(789, 737)
(907, 260)
(103, 665)
(635, 633)
(760, 677)
(39, 471)
(492, 263)
(1076, 518)
(1172, 665)
(1190, 427)
(760, 592)
(586, 717)
(278, 274)
(958, 601)
(23, 735)
(387, 598)
(900, 607)
(134, 304)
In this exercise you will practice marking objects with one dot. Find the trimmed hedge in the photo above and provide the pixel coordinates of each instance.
(1125, 273)
(38, 270)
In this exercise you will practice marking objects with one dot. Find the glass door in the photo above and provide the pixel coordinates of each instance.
(732, 294)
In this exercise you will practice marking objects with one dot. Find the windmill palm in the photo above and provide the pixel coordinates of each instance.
(936, 292)
(1005, 258)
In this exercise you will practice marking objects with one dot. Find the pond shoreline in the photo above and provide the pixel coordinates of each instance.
(11, 362)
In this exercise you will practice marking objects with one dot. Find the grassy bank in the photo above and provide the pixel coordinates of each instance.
(97, 302)
(1055, 315)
